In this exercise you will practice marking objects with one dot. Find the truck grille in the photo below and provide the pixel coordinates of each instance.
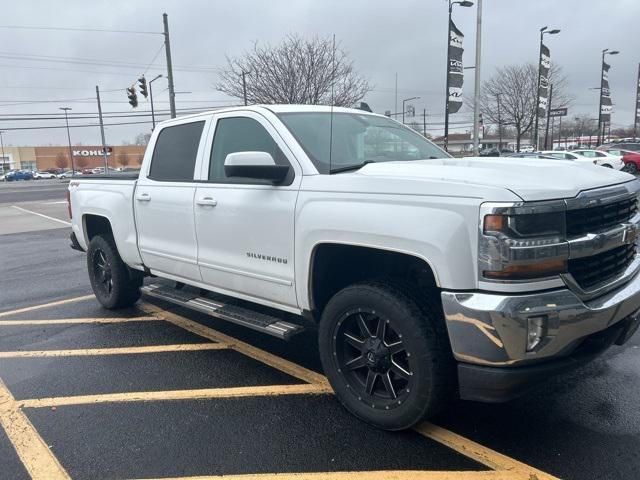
(590, 271)
(592, 219)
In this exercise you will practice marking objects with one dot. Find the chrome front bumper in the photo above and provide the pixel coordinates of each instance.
(491, 329)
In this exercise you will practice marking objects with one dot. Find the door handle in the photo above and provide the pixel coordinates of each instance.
(206, 202)
(143, 197)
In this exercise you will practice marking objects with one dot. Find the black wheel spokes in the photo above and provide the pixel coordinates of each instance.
(102, 271)
(373, 353)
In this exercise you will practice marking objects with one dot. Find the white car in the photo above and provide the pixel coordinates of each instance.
(603, 159)
(527, 149)
(562, 155)
(66, 174)
(41, 175)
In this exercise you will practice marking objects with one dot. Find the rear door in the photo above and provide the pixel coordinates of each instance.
(163, 201)
(245, 227)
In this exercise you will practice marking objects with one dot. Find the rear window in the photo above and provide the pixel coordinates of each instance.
(175, 153)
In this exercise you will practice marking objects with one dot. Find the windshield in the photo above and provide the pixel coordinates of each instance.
(357, 139)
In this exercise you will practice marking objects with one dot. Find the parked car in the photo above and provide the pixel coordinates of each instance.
(603, 159)
(65, 174)
(634, 146)
(530, 155)
(40, 175)
(527, 149)
(630, 158)
(15, 175)
(562, 155)
(494, 152)
(425, 279)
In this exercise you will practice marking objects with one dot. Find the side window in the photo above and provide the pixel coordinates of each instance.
(600, 154)
(241, 134)
(175, 153)
(587, 154)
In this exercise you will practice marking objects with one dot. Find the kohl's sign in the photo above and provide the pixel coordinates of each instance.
(91, 153)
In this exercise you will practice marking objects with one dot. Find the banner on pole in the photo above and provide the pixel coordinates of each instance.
(543, 91)
(455, 71)
(605, 95)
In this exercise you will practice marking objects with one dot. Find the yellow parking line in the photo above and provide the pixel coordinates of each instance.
(375, 475)
(71, 321)
(187, 347)
(46, 305)
(204, 393)
(492, 459)
(480, 453)
(274, 361)
(40, 463)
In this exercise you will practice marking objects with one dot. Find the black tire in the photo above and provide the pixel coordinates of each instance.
(606, 165)
(631, 168)
(425, 355)
(113, 283)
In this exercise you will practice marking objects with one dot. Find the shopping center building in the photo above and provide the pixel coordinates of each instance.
(84, 156)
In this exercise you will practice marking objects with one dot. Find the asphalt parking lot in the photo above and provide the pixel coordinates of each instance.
(161, 392)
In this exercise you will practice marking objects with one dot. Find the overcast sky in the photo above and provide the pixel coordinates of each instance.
(382, 37)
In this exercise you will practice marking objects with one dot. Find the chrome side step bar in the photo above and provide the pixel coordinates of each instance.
(232, 313)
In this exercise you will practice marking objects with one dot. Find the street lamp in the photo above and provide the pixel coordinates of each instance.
(66, 119)
(462, 3)
(153, 118)
(499, 123)
(606, 51)
(543, 31)
(403, 102)
(2, 145)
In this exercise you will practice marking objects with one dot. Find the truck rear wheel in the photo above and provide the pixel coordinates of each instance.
(384, 354)
(114, 285)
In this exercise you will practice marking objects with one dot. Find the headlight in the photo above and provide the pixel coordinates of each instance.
(522, 241)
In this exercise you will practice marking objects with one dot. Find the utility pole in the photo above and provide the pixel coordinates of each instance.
(244, 87)
(104, 145)
(167, 49)
(395, 112)
(606, 51)
(499, 124)
(424, 122)
(546, 132)
(543, 31)
(476, 94)
(66, 119)
(637, 110)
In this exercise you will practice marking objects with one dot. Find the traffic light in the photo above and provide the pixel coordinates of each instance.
(143, 86)
(131, 95)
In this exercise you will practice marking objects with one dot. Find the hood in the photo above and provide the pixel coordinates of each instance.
(530, 179)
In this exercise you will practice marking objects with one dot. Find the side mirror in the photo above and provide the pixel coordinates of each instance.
(258, 165)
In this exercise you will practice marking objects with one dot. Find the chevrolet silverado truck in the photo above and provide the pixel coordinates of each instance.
(427, 276)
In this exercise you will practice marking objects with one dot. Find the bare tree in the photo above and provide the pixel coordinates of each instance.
(123, 159)
(296, 71)
(61, 160)
(142, 139)
(81, 162)
(515, 87)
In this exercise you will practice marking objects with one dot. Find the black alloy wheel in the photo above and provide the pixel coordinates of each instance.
(371, 354)
(102, 272)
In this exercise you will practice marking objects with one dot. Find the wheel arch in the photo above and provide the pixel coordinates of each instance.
(334, 265)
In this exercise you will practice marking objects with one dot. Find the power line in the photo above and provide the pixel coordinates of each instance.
(76, 29)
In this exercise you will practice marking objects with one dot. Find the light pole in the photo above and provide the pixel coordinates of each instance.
(463, 3)
(604, 52)
(153, 117)
(476, 91)
(66, 119)
(2, 145)
(543, 31)
(403, 102)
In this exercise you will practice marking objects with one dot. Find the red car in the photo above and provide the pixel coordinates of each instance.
(630, 158)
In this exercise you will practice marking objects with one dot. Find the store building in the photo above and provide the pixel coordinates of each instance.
(84, 156)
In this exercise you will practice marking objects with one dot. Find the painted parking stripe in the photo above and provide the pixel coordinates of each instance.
(475, 451)
(187, 347)
(46, 305)
(375, 475)
(39, 461)
(72, 321)
(197, 394)
(258, 354)
(41, 215)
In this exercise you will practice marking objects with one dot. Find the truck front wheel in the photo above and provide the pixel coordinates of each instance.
(114, 285)
(385, 355)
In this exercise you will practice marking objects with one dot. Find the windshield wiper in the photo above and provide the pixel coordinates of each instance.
(347, 168)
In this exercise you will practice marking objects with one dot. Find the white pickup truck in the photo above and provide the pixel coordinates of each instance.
(428, 276)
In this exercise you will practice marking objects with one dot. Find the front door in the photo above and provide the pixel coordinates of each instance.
(163, 203)
(245, 227)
